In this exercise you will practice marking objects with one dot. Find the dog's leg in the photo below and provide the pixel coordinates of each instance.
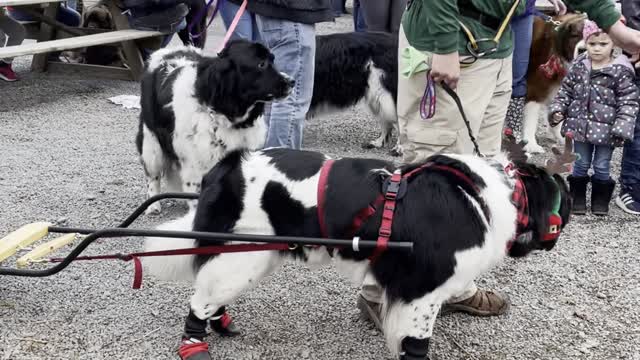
(397, 149)
(222, 279)
(153, 162)
(531, 114)
(191, 177)
(409, 326)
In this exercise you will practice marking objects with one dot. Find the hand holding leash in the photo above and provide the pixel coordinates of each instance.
(555, 119)
(446, 68)
(559, 7)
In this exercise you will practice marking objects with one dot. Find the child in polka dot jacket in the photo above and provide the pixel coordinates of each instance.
(597, 105)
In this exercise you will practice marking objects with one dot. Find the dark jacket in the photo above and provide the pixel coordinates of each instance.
(302, 11)
(631, 11)
(599, 106)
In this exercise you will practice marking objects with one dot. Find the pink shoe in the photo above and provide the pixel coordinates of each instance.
(6, 72)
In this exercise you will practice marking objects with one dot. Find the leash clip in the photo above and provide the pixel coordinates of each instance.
(472, 48)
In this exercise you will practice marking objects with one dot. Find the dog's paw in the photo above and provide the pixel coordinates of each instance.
(533, 148)
(153, 209)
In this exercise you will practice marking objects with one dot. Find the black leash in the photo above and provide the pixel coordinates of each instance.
(456, 98)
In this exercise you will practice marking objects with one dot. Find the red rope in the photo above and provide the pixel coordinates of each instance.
(187, 350)
(206, 250)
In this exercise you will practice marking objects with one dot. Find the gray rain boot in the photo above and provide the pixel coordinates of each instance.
(515, 116)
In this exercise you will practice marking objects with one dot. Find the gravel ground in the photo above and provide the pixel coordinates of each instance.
(68, 156)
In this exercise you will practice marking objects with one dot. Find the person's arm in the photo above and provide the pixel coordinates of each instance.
(442, 15)
(627, 106)
(562, 100)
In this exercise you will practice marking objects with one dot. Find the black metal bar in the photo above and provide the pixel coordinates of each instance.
(122, 232)
(137, 212)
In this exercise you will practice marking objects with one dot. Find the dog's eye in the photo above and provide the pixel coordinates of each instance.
(262, 64)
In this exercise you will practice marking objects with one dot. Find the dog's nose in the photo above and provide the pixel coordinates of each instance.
(291, 82)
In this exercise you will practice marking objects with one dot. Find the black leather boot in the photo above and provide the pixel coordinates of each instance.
(578, 189)
(601, 193)
(414, 349)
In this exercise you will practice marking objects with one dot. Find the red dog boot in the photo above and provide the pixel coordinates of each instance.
(194, 349)
(222, 323)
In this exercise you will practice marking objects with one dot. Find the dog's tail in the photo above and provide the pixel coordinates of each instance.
(175, 267)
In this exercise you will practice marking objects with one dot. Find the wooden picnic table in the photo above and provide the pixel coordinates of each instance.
(51, 35)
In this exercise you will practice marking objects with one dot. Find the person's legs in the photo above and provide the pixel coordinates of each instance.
(246, 26)
(629, 197)
(585, 154)
(294, 46)
(11, 33)
(359, 24)
(69, 16)
(336, 6)
(490, 129)
(376, 14)
(396, 10)
(602, 184)
(522, 33)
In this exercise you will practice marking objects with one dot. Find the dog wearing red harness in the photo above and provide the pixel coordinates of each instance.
(462, 213)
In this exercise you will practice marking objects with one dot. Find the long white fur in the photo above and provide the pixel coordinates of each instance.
(225, 277)
(197, 129)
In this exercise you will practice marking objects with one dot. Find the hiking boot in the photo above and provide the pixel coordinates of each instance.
(7, 73)
(578, 189)
(482, 303)
(601, 193)
(628, 203)
(370, 311)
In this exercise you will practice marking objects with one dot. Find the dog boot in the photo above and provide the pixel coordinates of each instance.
(194, 349)
(601, 192)
(222, 323)
(515, 115)
(578, 188)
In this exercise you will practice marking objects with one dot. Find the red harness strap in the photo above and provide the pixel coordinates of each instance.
(388, 199)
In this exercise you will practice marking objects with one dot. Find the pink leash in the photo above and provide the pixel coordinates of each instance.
(233, 25)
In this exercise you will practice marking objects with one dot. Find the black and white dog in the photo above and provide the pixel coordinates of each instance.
(358, 67)
(463, 214)
(195, 109)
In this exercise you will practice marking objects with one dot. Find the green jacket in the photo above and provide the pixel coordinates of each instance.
(432, 25)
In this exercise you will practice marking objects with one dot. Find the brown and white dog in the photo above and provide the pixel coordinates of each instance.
(552, 50)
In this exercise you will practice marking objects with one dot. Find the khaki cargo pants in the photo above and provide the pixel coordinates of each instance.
(484, 89)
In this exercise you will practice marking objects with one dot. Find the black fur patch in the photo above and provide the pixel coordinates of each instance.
(294, 166)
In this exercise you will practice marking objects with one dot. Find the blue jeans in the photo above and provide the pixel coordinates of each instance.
(358, 18)
(336, 6)
(630, 173)
(522, 32)
(66, 15)
(597, 155)
(294, 46)
(246, 29)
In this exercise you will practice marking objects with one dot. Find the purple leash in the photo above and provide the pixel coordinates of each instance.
(199, 16)
(429, 96)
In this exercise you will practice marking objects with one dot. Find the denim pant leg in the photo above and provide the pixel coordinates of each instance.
(359, 24)
(294, 46)
(630, 173)
(522, 32)
(583, 163)
(246, 28)
(66, 15)
(602, 162)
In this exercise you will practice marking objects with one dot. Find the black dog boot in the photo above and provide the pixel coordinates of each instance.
(414, 349)
(601, 193)
(222, 323)
(578, 189)
(193, 346)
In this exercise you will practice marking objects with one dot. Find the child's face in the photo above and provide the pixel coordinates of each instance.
(599, 47)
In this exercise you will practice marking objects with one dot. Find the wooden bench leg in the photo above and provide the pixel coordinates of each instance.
(47, 33)
(131, 50)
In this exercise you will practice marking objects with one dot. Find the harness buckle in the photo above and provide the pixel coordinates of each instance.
(384, 232)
